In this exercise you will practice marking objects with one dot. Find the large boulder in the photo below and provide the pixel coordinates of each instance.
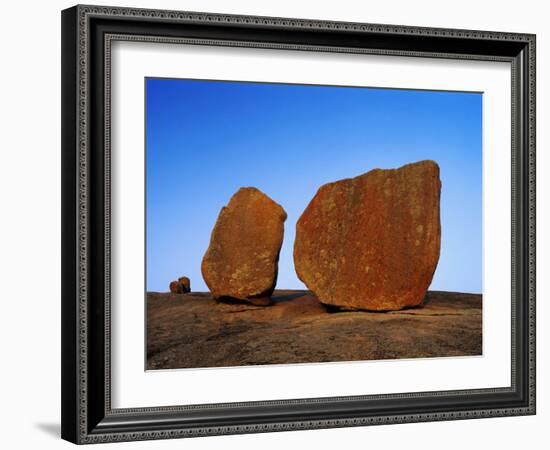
(372, 242)
(241, 261)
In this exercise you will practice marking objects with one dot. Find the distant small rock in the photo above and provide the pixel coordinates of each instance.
(181, 286)
(372, 242)
(186, 284)
(241, 261)
(176, 287)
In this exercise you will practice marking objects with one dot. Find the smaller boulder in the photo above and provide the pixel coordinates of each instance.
(186, 284)
(176, 287)
(241, 261)
(181, 286)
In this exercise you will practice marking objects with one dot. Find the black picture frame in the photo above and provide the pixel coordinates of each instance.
(87, 416)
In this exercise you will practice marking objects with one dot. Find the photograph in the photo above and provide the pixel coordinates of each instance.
(274, 220)
(300, 223)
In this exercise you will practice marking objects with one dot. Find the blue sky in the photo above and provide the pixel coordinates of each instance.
(206, 139)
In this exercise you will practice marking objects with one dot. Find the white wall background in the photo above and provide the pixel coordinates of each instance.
(30, 222)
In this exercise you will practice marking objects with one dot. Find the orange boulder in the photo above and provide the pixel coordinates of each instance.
(241, 261)
(372, 242)
(185, 283)
(176, 287)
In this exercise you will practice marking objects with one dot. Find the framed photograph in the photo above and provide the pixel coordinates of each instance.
(278, 224)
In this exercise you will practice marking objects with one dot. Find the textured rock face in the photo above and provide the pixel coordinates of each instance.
(372, 242)
(195, 331)
(242, 259)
